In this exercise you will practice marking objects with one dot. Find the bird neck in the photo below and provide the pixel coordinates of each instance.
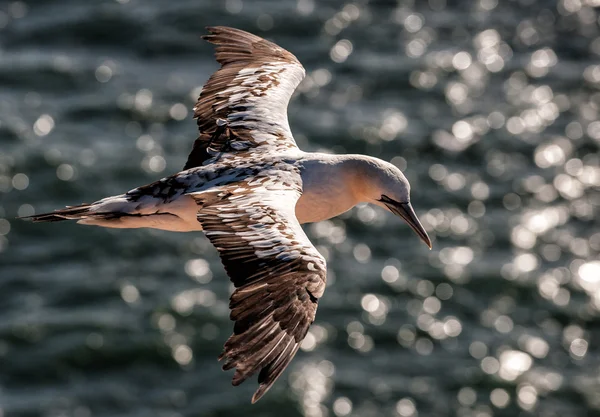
(332, 184)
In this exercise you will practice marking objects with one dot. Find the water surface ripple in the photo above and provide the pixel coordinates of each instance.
(490, 107)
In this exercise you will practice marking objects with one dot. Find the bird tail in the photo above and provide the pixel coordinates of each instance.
(102, 213)
(130, 211)
(68, 213)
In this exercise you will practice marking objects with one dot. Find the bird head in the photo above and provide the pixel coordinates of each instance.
(386, 186)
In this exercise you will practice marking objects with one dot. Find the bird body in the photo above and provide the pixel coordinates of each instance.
(248, 187)
(329, 185)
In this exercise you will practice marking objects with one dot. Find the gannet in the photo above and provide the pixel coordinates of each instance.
(248, 187)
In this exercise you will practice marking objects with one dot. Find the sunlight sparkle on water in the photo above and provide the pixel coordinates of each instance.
(496, 122)
(513, 363)
(312, 383)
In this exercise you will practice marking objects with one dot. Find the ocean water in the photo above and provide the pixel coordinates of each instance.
(490, 107)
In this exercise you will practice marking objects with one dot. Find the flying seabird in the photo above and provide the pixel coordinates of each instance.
(248, 187)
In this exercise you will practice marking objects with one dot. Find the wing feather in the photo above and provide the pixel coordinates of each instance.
(275, 270)
(242, 108)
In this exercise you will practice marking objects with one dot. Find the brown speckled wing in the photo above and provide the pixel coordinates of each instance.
(242, 108)
(277, 273)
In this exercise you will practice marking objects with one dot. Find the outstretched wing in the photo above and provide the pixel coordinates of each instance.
(277, 273)
(243, 106)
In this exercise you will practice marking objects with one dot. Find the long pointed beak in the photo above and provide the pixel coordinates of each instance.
(406, 211)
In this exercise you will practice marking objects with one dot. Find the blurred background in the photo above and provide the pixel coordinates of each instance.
(490, 107)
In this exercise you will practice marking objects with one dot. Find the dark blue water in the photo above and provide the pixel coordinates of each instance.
(491, 108)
